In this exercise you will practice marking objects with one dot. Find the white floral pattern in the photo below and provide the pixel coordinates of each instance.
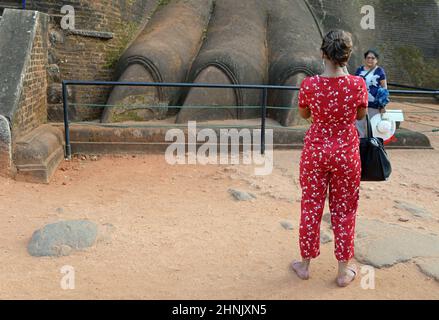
(331, 158)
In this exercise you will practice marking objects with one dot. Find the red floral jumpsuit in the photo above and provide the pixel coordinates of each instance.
(331, 157)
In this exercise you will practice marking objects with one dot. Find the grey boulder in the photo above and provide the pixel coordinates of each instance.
(59, 239)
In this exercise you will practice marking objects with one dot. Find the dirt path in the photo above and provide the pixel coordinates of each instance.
(180, 235)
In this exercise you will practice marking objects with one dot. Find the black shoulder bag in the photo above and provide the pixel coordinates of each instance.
(375, 164)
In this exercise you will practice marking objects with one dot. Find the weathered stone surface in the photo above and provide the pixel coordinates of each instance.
(92, 33)
(38, 154)
(61, 238)
(54, 93)
(383, 244)
(5, 147)
(413, 209)
(241, 195)
(430, 267)
(211, 98)
(54, 73)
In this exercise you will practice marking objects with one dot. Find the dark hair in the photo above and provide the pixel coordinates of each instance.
(374, 52)
(337, 46)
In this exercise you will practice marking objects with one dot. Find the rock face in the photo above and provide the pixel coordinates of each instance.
(430, 267)
(383, 244)
(413, 209)
(59, 239)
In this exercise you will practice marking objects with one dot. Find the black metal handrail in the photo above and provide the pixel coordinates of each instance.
(263, 88)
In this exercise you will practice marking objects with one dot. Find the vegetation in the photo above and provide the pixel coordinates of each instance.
(425, 73)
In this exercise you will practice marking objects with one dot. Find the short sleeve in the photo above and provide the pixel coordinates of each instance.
(382, 74)
(363, 95)
(303, 99)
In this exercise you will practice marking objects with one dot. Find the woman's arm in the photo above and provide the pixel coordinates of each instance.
(361, 113)
(383, 84)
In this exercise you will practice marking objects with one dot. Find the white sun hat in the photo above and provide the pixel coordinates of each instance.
(382, 126)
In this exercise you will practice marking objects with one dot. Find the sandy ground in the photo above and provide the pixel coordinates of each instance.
(178, 233)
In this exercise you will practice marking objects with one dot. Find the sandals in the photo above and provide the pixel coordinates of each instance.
(304, 275)
(342, 282)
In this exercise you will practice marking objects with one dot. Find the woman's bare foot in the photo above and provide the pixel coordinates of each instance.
(301, 269)
(346, 275)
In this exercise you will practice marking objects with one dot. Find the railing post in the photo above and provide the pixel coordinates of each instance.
(65, 102)
(263, 116)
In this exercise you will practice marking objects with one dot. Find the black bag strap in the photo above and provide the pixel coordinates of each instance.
(364, 77)
(369, 127)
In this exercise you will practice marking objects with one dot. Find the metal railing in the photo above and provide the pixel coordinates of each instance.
(21, 4)
(263, 88)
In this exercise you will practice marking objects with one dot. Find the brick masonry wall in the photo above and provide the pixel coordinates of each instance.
(32, 110)
(77, 57)
(399, 25)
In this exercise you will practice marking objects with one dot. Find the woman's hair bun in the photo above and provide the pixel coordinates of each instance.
(337, 46)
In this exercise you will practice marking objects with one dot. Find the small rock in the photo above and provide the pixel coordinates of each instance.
(287, 225)
(59, 210)
(83, 157)
(241, 195)
(325, 236)
(93, 158)
(404, 184)
(64, 183)
(54, 239)
(403, 219)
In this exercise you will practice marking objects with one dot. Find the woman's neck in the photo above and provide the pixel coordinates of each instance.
(366, 67)
(332, 71)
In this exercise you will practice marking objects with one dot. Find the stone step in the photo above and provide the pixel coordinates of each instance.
(102, 139)
(38, 154)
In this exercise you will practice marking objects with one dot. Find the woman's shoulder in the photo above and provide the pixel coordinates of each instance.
(357, 81)
(307, 82)
(380, 70)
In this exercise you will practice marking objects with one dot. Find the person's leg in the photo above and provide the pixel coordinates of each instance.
(314, 184)
(344, 188)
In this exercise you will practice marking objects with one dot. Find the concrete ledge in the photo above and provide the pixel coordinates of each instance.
(101, 139)
(38, 154)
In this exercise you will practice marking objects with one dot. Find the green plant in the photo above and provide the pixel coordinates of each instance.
(163, 2)
(424, 72)
(125, 34)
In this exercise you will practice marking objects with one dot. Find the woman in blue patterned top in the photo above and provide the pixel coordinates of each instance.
(375, 78)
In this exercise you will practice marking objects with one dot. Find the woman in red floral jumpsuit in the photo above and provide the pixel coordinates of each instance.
(330, 158)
